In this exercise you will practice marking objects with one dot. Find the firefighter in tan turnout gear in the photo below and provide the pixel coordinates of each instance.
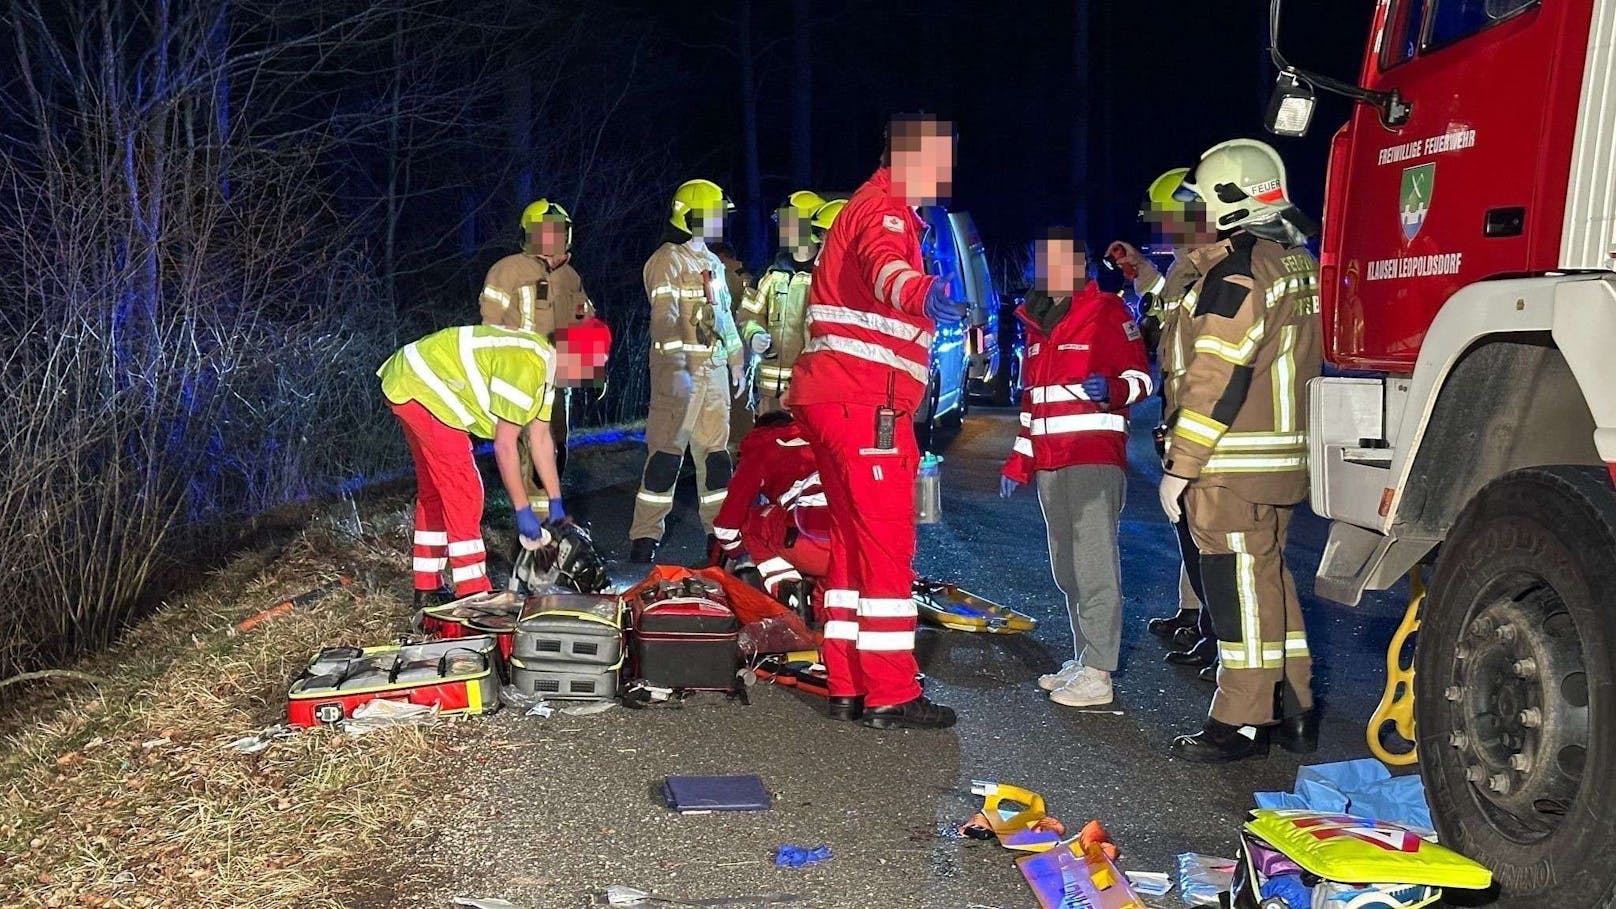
(537, 290)
(696, 365)
(774, 316)
(1237, 452)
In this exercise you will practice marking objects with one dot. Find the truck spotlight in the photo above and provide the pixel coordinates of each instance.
(1290, 108)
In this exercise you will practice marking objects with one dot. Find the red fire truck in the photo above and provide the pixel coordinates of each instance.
(1469, 422)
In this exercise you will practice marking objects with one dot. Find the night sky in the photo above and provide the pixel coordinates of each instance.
(1166, 79)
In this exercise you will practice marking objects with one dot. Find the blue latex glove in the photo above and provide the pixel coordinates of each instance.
(1288, 887)
(558, 514)
(527, 523)
(940, 307)
(1098, 388)
(798, 856)
(1007, 487)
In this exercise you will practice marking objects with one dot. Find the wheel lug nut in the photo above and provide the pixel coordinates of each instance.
(1526, 668)
(1483, 626)
(1520, 761)
(1453, 693)
(1505, 633)
(1458, 740)
(1531, 718)
(1474, 774)
(1499, 784)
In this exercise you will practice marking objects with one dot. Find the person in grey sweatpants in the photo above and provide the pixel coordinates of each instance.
(1082, 504)
(1085, 365)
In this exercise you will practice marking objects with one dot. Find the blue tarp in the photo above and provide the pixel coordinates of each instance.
(1363, 787)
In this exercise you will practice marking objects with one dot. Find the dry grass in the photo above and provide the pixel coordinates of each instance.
(123, 794)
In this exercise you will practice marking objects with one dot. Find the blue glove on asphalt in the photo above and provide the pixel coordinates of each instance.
(940, 307)
(1007, 487)
(557, 513)
(527, 523)
(1098, 388)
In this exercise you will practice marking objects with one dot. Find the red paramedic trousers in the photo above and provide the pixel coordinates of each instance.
(869, 598)
(808, 556)
(448, 503)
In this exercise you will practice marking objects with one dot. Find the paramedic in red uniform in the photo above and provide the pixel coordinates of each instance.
(774, 520)
(872, 312)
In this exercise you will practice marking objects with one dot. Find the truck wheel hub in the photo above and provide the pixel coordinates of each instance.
(1522, 706)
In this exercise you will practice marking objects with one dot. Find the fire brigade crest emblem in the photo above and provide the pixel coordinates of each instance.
(1415, 199)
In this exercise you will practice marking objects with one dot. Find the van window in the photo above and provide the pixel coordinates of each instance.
(1455, 20)
(1402, 37)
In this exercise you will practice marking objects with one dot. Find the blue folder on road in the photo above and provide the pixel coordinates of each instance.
(704, 794)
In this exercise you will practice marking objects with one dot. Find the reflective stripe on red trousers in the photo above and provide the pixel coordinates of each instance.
(448, 503)
(869, 605)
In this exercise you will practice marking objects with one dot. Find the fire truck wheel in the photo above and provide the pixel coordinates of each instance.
(1514, 694)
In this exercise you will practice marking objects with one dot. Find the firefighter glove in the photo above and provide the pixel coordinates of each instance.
(940, 307)
(1098, 388)
(1172, 489)
(761, 342)
(528, 524)
(1007, 487)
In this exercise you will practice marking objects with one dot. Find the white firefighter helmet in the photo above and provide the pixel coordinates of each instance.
(1241, 181)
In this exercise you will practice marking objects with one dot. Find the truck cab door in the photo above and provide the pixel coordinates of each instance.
(1443, 199)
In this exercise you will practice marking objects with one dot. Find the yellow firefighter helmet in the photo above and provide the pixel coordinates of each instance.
(1161, 195)
(545, 210)
(825, 214)
(697, 196)
(804, 202)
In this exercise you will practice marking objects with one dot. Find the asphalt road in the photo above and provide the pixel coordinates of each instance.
(551, 812)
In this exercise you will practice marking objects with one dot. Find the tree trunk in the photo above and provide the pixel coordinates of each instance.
(752, 248)
(395, 162)
(1080, 118)
(802, 94)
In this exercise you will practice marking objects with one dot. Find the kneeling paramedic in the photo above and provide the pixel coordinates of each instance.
(872, 313)
(1237, 451)
(774, 521)
(1074, 442)
(483, 382)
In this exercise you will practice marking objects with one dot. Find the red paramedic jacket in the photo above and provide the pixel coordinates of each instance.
(1060, 426)
(867, 307)
(775, 467)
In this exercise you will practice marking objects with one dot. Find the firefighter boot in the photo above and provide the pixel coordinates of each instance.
(1210, 673)
(1297, 734)
(847, 709)
(1220, 743)
(642, 551)
(1165, 628)
(919, 713)
(798, 596)
(1201, 654)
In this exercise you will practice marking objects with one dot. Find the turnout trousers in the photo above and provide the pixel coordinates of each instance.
(448, 503)
(1265, 670)
(869, 585)
(688, 410)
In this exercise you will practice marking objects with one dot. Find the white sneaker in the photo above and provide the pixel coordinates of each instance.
(1053, 680)
(1087, 688)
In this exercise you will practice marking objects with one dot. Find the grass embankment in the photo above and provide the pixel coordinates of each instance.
(122, 792)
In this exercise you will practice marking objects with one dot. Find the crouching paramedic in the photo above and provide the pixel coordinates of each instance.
(537, 290)
(1237, 452)
(1074, 442)
(485, 382)
(774, 518)
(872, 313)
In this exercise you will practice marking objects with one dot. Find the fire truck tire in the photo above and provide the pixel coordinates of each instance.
(1515, 696)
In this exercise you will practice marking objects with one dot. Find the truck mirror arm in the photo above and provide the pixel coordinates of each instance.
(1394, 109)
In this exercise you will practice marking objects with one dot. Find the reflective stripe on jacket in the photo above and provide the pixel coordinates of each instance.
(523, 292)
(691, 320)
